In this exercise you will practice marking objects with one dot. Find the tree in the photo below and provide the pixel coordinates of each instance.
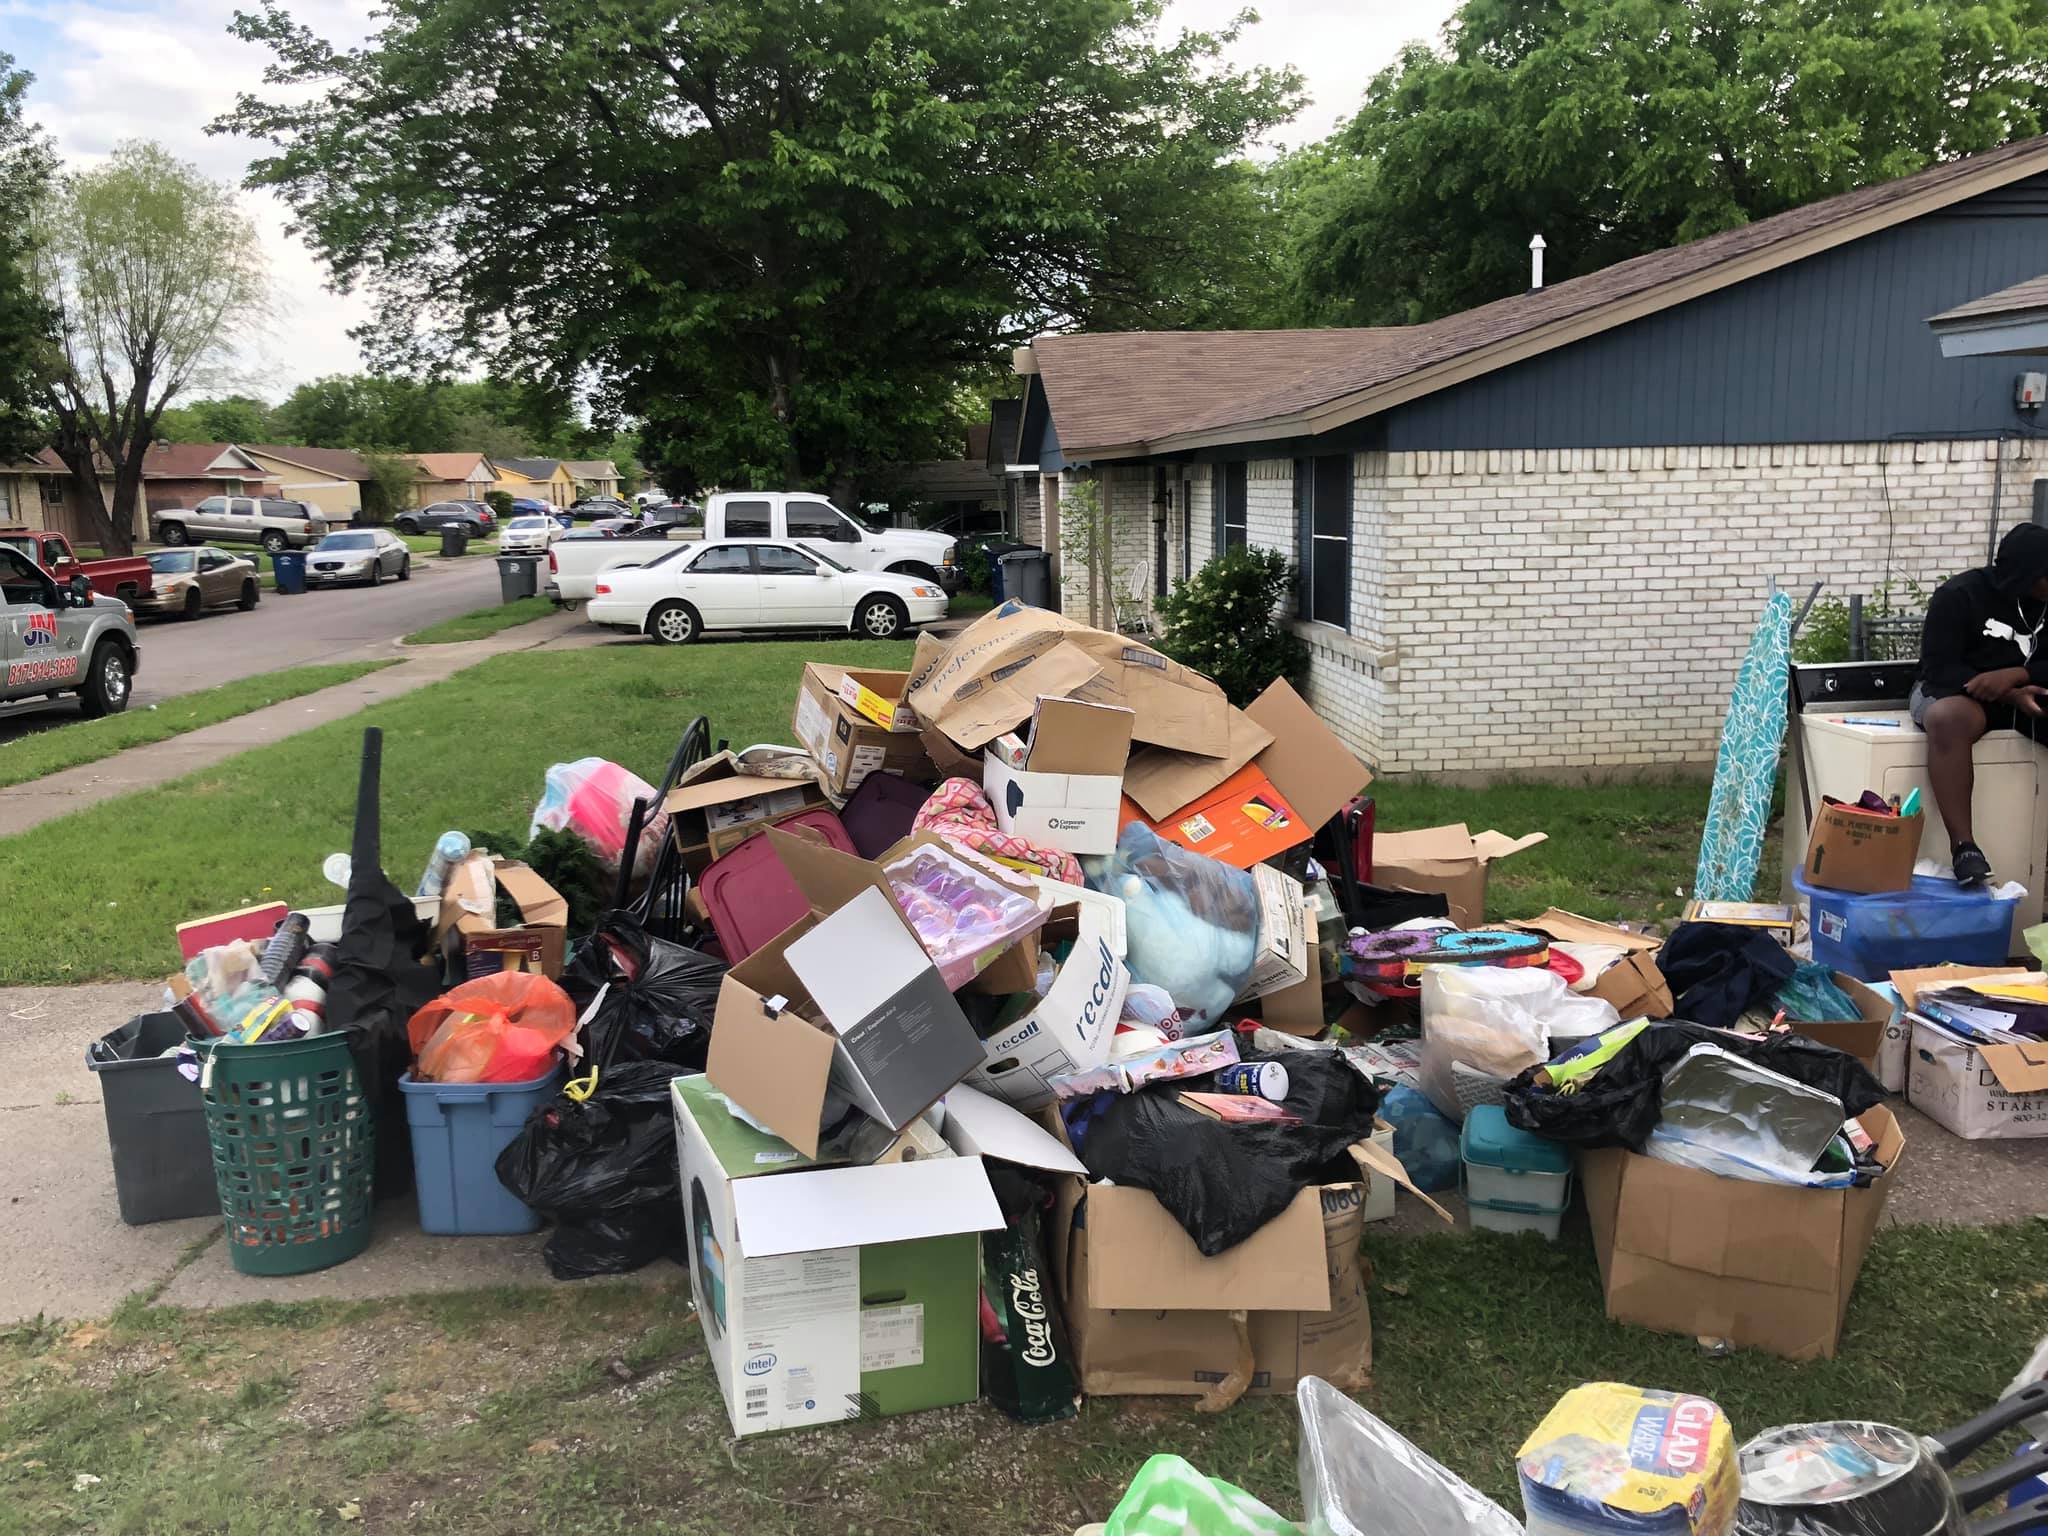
(26, 165)
(366, 410)
(230, 419)
(394, 477)
(1616, 127)
(153, 272)
(773, 230)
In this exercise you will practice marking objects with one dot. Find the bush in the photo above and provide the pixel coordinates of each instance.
(975, 573)
(1225, 621)
(1825, 634)
(500, 503)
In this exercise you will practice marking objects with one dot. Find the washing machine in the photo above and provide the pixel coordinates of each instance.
(1851, 731)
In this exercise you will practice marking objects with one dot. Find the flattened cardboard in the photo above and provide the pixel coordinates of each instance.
(1449, 861)
(1161, 780)
(1570, 928)
(1857, 850)
(1307, 762)
(1977, 1092)
(1242, 822)
(1072, 736)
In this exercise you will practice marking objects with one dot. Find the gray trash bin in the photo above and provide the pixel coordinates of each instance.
(156, 1123)
(1027, 577)
(454, 542)
(518, 576)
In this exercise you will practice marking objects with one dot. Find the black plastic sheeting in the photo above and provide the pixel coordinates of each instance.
(661, 1000)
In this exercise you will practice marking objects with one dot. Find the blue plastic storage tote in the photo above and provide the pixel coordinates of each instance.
(458, 1130)
(1936, 921)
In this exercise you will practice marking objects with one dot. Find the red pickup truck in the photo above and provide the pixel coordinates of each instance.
(128, 577)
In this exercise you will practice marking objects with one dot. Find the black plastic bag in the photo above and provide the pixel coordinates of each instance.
(1620, 1104)
(1026, 1364)
(661, 999)
(604, 1172)
(1224, 1181)
(1718, 971)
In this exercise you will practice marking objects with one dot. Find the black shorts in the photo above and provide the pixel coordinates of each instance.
(1997, 717)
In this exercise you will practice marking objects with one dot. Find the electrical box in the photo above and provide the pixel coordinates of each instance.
(2029, 389)
(2041, 502)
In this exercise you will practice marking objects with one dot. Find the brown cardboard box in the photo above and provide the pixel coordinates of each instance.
(1862, 1036)
(1766, 1266)
(1450, 860)
(1857, 850)
(538, 944)
(848, 745)
(1302, 758)
(1298, 1010)
(1633, 984)
(718, 807)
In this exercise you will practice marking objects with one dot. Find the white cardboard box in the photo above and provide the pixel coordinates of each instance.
(1285, 933)
(1070, 1028)
(1064, 786)
(1979, 1092)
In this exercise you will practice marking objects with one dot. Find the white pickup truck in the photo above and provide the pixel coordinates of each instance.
(575, 561)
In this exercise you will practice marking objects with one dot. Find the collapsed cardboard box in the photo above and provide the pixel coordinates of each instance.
(1060, 786)
(1286, 933)
(1975, 1090)
(1765, 1266)
(854, 722)
(1851, 849)
(1633, 984)
(1069, 1029)
(1863, 1036)
(1448, 861)
(467, 926)
(718, 806)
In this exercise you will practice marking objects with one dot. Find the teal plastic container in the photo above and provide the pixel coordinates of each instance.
(1515, 1180)
(458, 1130)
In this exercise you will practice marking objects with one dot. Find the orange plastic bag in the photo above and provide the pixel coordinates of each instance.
(496, 1029)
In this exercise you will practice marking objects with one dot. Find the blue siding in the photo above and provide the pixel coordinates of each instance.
(1038, 431)
(1832, 349)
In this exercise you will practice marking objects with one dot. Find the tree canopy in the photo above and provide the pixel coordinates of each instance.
(1616, 127)
(26, 165)
(778, 231)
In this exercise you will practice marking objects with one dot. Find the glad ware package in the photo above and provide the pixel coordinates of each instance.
(1612, 1459)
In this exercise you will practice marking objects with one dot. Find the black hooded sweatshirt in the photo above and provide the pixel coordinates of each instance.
(1954, 644)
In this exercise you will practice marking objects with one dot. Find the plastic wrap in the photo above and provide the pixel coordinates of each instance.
(1171, 1497)
(1425, 1138)
(1630, 1461)
(963, 916)
(1360, 1478)
(594, 799)
(1193, 923)
(1731, 1117)
(496, 1029)
(1493, 1020)
(1845, 1478)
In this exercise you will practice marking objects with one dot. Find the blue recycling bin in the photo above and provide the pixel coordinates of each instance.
(290, 568)
(1932, 923)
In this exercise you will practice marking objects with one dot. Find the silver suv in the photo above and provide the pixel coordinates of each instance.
(65, 639)
(267, 520)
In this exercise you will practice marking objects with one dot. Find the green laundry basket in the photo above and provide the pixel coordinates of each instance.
(293, 1141)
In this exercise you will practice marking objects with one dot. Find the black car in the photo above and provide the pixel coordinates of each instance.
(592, 508)
(472, 517)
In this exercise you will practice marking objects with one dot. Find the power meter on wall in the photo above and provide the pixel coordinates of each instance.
(2028, 390)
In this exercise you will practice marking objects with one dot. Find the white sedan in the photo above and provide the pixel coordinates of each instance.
(528, 535)
(759, 584)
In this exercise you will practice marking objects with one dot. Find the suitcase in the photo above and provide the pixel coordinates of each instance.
(749, 893)
(880, 811)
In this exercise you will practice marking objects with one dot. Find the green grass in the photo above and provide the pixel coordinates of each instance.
(483, 622)
(503, 1410)
(96, 894)
(964, 604)
(430, 544)
(86, 741)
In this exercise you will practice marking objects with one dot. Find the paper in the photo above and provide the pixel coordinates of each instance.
(891, 1338)
(846, 1207)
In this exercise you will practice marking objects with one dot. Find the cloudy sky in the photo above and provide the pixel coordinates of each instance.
(108, 70)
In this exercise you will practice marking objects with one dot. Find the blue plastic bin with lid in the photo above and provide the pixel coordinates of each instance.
(1933, 922)
(458, 1130)
(289, 566)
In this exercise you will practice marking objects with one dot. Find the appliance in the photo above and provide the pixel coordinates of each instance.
(1851, 732)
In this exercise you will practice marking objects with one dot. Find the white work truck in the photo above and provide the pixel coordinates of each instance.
(800, 516)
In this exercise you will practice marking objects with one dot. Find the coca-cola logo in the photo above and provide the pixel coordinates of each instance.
(1027, 1302)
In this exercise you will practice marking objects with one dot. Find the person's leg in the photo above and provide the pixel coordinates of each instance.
(1953, 727)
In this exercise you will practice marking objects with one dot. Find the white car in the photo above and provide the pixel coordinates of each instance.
(528, 535)
(759, 584)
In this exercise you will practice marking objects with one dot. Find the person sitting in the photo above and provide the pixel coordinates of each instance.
(1982, 668)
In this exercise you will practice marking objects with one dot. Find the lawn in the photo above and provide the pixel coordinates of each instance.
(86, 741)
(595, 1410)
(483, 622)
(963, 605)
(430, 544)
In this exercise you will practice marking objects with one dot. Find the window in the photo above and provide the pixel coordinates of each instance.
(241, 507)
(1233, 507)
(21, 582)
(212, 504)
(748, 520)
(820, 520)
(725, 560)
(1322, 504)
(777, 561)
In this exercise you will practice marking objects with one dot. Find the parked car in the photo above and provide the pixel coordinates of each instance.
(576, 559)
(472, 517)
(267, 520)
(616, 527)
(822, 528)
(528, 535)
(68, 639)
(591, 508)
(361, 554)
(126, 577)
(759, 584)
(527, 506)
(190, 581)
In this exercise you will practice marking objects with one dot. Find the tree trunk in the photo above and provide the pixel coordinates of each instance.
(100, 524)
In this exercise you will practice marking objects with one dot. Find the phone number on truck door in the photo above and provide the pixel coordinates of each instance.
(59, 669)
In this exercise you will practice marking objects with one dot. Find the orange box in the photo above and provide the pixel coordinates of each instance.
(1242, 821)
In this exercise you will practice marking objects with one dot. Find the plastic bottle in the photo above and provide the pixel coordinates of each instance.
(449, 850)
(337, 869)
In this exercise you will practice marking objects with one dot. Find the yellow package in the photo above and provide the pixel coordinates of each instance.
(1610, 1457)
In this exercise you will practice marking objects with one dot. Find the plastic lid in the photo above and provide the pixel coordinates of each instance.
(1490, 1142)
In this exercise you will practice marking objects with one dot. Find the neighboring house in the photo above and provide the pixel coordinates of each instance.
(453, 477)
(594, 477)
(946, 486)
(332, 479)
(1535, 535)
(541, 479)
(173, 475)
(33, 492)
(2012, 322)
(1017, 484)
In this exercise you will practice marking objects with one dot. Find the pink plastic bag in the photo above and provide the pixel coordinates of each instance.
(594, 799)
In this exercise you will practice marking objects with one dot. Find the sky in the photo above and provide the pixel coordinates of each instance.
(108, 70)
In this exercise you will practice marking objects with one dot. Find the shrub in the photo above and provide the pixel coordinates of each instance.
(500, 502)
(1825, 634)
(975, 573)
(1225, 621)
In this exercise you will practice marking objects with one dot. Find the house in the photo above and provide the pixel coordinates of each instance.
(594, 477)
(955, 488)
(453, 477)
(1536, 535)
(2012, 322)
(173, 475)
(546, 480)
(332, 479)
(32, 493)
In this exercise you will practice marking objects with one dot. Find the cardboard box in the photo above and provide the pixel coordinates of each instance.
(878, 698)
(1286, 933)
(718, 807)
(467, 923)
(1862, 1036)
(1633, 984)
(828, 1294)
(845, 997)
(1450, 861)
(1298, 1009)
(1857, 850)
(1061, 787)
(1070, 1028)
(848, 744)
(1896, 1063)
(1977, 1091)
(1766, 1266)
(1242, 821)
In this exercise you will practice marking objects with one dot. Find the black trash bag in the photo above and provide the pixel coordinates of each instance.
(1718, 971)
(661, 999)
(1027, 1367)
(1619, 1105)
(604, 1172)
(1223, 1182)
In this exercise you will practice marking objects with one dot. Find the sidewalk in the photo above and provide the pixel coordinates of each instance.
(23, 806)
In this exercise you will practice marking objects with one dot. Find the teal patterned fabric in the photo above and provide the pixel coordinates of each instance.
(1747, 767)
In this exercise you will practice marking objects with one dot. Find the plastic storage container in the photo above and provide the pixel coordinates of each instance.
(1515, 1181)
(289, 566)
(156, 1123)
(748, 892)
(458, 1130)
(1935, 921)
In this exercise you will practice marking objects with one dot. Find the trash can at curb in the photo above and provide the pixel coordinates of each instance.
(454, 542)
(458, 1130)
(518, 576)
(1027, 577)
(996, 551)
(156, 1123)
(289, 566)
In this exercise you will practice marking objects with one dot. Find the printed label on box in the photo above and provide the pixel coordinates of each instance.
(1834, 926)
(864, 762)
(1195, 828)
(892, 1337)
(811, 723)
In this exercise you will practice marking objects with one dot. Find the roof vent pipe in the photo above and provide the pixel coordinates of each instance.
(1535, 262)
